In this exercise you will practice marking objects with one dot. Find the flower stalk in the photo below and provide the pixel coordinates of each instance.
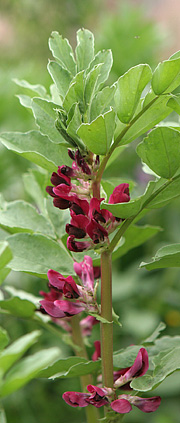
(106, 313)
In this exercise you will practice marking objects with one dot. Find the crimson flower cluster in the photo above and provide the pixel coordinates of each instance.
(66, 298)
(88, 221)
(99, 397)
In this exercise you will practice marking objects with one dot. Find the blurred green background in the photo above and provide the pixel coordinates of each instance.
(131, 29)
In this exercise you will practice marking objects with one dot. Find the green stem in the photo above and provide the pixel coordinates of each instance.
(106, 313)
(119, 138)
(91, 412)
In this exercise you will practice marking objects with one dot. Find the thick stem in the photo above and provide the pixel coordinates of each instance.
(91, 412)
(106, 313)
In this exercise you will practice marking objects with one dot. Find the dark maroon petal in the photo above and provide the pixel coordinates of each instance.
(67, 171)
(76, 232)
(51, 309)
(79, 220)
(49, 190)
(71, 154)
(85, 168)
(83, 204)
(58, 180)
(67, 179)
(121, 406)
(75, 399)
(148, 405)
(97, 272)
(78, 157)
(61, 203)
(76, 246)
(96, 232)
(97, 352)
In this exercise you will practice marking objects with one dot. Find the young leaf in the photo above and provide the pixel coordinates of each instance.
(35, 182)
(5, 253)
(104, 58)
(60, 76)
(98, 134)
(20, 216)
(37, 254)
(166, 77)
(45, 116)
(74, 124)
(27, 369)
(37, 148)
(62, 51)
(37, 88)
(155, 334)
(160, 150)
(85, 49)
(174, 103)
(75, 94)
(101, 102)
(129, 90)
(25, 101)
(15, 351)
(91, 84)
(168, 256)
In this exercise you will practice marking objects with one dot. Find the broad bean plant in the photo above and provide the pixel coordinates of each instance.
(82, 221)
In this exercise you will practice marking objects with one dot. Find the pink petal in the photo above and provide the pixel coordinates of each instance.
(121, 406)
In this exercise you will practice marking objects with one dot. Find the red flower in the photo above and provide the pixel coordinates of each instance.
(97, 352)
(139, 368)
(120, 194)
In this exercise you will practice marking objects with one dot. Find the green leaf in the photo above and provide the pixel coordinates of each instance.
(104, 58)
(166, 77)
(37, 88)
(155, 334)
(18, 307)
(160, 150)
(4, 339)
(101, 102)
(21, 216)
(27, 369)
(37, 254)
(133, 237)
(58, 220)
(151, 117)
(129, 90)
(174, 103)
(35, 182)
(100, 318)
(74, 124)
(25, 101)
(170, 191)
(62, 51)
(98, 134)
(3, 274)
(70, 367)
(60, 76)
(61, 366)
(168, 256)
(85, 49)
(5, 254)
(15, 351)
(165, 363)
(23, 295)
(115, 318)
(75, 94)
(91, 84)
(37, 148)
(46, 115)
